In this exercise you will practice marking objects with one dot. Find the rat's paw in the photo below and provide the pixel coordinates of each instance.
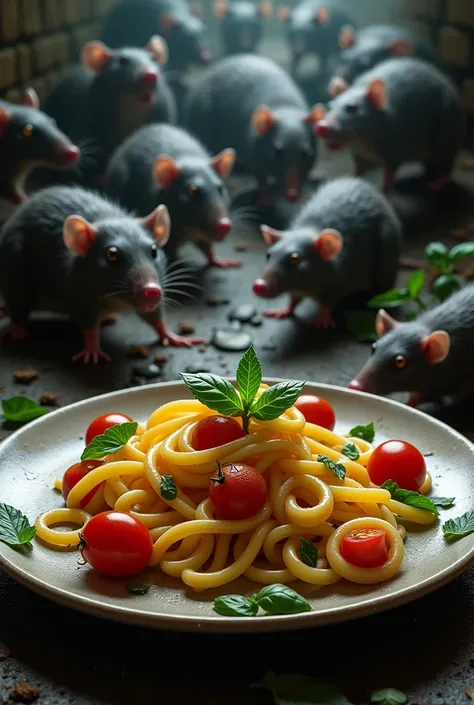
(179, 341)
(279, 313)
(17, 332)
(223, 263)
(324, 319)
(94, 355)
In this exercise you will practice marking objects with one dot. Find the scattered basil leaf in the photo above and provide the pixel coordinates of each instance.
(362, 325)
(410, 498)
(389, 299)
(415, 283)
(437, 254)
(298, 689)
(110, 442)
(249, 375)
(308, 553)
(214, 392)
(445, 285)
(15, 529)
(281, 599)
(22, 409)
(168, 489)
(351, 450)
(235, 606)
(276, 400)
(137, 588)
(388, 696)
(461, 251)
(337, 468)
(460, 526)
(366, 433)
(443, 502)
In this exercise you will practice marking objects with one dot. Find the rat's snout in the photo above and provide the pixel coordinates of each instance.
(223, 228)
(148, 79)
(149, 294)
(293, 185)
(266, 286)
(67, 153)
(325, 130)
(363, 383)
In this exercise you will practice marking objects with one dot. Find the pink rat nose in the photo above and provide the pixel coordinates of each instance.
(69, 154)
(261, 287)
(324, 130)
(152, 293)
(149, 79)
(355, 384)
(223, 226)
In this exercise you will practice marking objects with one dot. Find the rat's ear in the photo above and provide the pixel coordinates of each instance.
(79, 234)
(347, 37)
(322, 16)
(317, 113)
(401, 47)
(223, 162)
(337, 85)
(159, 224)
(377, 93)
(384, 323)
(284, 13)
(221, 8)
(270, 235)
(167, 21)
(263, 120)
(265, 9)
(165, 171)
(436, 346)
(4, 119)
(328, 244)
(31, 99)
(159, 48)
(96, 56)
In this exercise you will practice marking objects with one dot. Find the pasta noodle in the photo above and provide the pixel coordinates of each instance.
(305, 500)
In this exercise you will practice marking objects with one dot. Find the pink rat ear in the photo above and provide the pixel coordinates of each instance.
(165, 171)
(401, 47)
(270, 235)
(337, 86)
(31, 99)
(167, 21)
(4, 119)
(318, 112)
(159, 48)
(328, 244)
(384, 323)
(347, 37)
(263, 120)
(265, 9)
(322, 16)
(159, 224)
(436, 346)
(223, 162)
(78, 234)
(221, 8)
(377, 93)
(96, 56)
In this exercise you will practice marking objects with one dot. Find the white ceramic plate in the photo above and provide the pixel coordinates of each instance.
(34, 456)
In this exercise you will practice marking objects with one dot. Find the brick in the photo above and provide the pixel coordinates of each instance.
(14, 95)
(9, 20)
(53, 15)
(62, 48)
(454, 47)
(460, 12)
(25, 64)
(8, 68)
(44, 56)
(71, 11)
(468, 95)
(31, 15)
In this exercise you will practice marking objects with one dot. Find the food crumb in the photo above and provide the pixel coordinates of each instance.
(160, 359)
(241, 246)
(138, 352)
(186, 327)
(49, 399)
(470, 693)
(4, 654)
(25, 376)
(213, 301)
(25, 692)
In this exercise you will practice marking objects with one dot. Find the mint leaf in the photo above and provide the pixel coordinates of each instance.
(415, 283)
(367, 433)
(214, 392)
(276, 400)
(443, 502)
(362, 325)
(460, 526)
(388, 696)
(437, 254)
(15, 529)
(410, 498)
(281, 599)
(308, 553)
(351, 450)
(249, 375)
(445, 285)
(235, 606)
(390, 299)
(337, 468)
(22, 409)
(137, 588)
(110, 442)
(168, 489)
(298, 689)
(461, 251)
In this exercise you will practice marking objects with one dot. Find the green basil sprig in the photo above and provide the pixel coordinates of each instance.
(110, 442)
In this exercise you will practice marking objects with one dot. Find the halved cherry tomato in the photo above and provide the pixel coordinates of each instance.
(116, 544)
(316, 410)
(237, 491)
(215, 431)
(365, 548)
(75, 473)
(398, 461)
(102, 423)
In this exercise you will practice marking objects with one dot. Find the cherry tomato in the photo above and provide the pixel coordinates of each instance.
(237, 491)
(398, 461)
(116, 544)
(102, 423)
(316, 410)
(75, 473)
(215, 431)
(365, 548)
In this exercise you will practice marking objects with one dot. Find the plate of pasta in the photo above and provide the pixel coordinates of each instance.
(236, 505)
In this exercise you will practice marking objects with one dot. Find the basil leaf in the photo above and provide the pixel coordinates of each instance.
(362, 325)
(298, 689)
(461, 251)
(437, 254)
(443, 502)
(351, 450)
(410, 498)
(235, 606)
(137, 588)
(110, 442)
(22, 409)
(337, 468)
(308, 553)
(214, 392)
(276, 400)
(388, 696)
(249, 375)
(460, 526)
(367, 433)
(445, 285)
(390, 299)
(415, 283)
(168, 489)
(15, 529)
(280, 599)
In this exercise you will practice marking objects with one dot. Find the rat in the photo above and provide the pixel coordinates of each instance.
(431, 357)
(403, 110)
(29, 138)
(69, 250)
(252, 105)
(345, 240)
(165, 164)
(313, 27)
(363, 50)
(133, 22)
(241, 24)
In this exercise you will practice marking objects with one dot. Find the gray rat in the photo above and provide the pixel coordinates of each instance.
(252, 105)
(165, 164)
(345, 240)
(71, 251)
(241, 24)
(403, 110)
(431, 357)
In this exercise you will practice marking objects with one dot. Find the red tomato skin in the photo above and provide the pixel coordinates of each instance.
(214, 431)
(400, 462)
(242, 494)
(316, 410)
(370, 551)
(116, 544)
(75, 473)
(102, 423)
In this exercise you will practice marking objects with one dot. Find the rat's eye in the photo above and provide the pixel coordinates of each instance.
(294, 258)
(400, 362)
(124, 61)
(154, 251)
(222, 189)
(112, 253)
(352, 108)
(374, 347)
(267, 256)
(192, 191)
(28, 130)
